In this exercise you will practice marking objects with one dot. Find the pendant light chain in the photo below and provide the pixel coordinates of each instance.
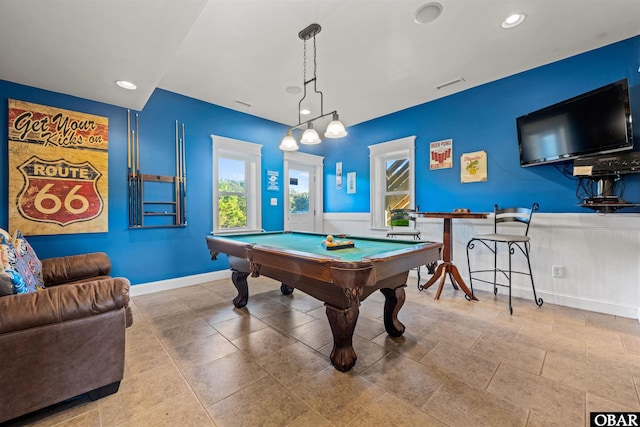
(304, 64)
(314, 56)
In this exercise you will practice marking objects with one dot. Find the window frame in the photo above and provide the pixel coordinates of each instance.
(251, 154)
(379, 154)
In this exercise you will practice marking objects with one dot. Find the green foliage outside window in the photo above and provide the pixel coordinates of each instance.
(232, 205)
(299, 202)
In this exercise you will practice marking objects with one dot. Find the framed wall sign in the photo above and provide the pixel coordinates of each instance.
(58, 170)
(473, 167)
(351, 183)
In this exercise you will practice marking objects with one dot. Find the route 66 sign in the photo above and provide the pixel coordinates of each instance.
(58, 170)
(59, 191)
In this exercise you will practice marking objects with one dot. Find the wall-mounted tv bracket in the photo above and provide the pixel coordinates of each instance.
(141, 209)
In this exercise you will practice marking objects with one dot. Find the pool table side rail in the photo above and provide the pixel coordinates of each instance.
(328, 268)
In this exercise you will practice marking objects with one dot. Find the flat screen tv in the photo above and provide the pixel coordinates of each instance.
(596, 122)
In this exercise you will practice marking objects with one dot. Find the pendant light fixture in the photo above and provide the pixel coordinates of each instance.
(335, 129)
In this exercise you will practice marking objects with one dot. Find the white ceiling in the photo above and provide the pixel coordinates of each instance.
(372, 58)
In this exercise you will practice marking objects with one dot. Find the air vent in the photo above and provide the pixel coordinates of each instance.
(452, 82)
(246, 104)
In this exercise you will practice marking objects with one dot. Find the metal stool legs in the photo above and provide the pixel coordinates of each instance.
(507, 273)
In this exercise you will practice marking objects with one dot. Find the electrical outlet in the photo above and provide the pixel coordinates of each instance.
(557, 271)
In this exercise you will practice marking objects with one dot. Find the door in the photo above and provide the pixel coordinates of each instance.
(301, 207)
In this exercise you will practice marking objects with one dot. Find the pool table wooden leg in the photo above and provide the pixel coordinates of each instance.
(393, 302)
(239, 280)
(343, 323)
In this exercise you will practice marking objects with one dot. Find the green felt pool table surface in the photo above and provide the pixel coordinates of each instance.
(312, 243)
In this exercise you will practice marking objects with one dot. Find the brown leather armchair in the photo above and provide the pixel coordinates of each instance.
(65, 340)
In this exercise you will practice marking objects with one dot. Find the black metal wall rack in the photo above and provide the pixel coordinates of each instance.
(171, 210)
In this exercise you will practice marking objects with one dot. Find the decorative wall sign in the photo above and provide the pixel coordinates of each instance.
(441, 154)
(351, 183)
(58, 170)
(473, 167)
(339, 176)
(273, 181)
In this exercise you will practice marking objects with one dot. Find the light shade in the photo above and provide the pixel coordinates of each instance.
(335, 129)
(288, 143)
(310, 136)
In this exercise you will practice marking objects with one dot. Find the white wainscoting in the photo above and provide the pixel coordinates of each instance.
(599, 255)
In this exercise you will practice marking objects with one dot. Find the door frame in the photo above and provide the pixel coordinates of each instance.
(317, 163)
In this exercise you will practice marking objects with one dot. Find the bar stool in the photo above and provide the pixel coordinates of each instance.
(512, 241)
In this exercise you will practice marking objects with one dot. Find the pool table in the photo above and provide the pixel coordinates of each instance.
(340, 278)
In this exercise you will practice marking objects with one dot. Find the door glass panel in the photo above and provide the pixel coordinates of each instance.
(395, 201)
(397, 174)
(298, 192)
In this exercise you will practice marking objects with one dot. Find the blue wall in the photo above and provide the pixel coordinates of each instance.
(481, 118)
(146, 255)
(484, 118)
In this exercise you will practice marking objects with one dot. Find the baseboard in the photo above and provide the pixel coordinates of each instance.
(552, 298)
(178, 282)
(558, 299)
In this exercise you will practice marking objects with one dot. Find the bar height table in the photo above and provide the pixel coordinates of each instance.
(447, 267)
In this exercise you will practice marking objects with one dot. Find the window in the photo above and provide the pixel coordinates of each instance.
(236, 185)
(392, 167)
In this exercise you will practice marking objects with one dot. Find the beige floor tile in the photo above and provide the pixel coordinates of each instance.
(178, 366)
(614, 323)
(262, 343)
(336, 396)
(631, 343)
(600, 404)
(263, 403)
(315, 334)
(409, 380)
(458, 333)
(186, 333)
(299, 301)
(368, 327)
(143, 350)
(391, 411)
(310, 419)
(603, 377)
(459, 404)
(549, 341)
(164, 308)
(408, 345)
(239, 326)
(183, 410)
(88, 419)
(295, 363)
(459, 363)
(220, 312)
(287, 321)
(141, 392)
(551, 399)
(173, 319)
(264, 307)
(492, 347)
(202, 350)
(223, 377)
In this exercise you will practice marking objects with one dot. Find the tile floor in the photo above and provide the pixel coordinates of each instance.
(194, 360)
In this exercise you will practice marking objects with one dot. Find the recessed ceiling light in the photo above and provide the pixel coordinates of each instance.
(305, 111)
(513, 20)
(126, 85)
(428, 13)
